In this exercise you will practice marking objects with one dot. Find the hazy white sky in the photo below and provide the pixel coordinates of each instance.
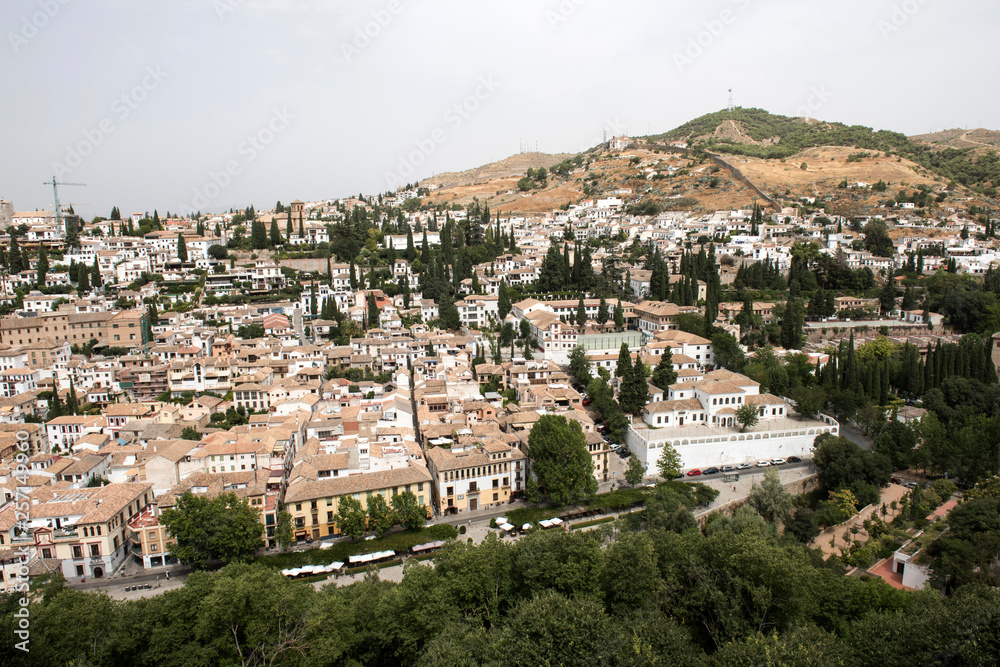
(210, 104)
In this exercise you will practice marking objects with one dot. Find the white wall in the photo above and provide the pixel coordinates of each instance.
(725, 448)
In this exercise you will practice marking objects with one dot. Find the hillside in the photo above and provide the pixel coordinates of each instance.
(958, 138)
(757, 133)
(789, 159)
(965, 157)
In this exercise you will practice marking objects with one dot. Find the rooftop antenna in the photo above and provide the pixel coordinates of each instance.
(731, 107)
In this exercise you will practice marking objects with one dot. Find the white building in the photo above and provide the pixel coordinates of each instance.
(698, 419)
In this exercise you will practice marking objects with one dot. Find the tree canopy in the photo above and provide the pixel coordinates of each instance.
(222, 528)
(564, 469)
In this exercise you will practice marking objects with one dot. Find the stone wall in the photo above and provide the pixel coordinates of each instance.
(794, 487)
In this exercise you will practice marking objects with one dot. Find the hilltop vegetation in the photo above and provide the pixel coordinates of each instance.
(781, 136)
(758, 133)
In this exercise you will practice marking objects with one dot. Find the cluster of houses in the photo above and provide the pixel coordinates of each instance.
(299, 418)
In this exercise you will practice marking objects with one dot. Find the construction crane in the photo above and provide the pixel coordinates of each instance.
(55, 195)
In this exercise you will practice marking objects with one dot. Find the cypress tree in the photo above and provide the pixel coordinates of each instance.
(373, 312)
(664, 374)
(411, 251)
(182, 249)
(503, 300)
(619, 315)
(258, 236)
(16, 263)
(425, 253)
(96, 279)
(43, 266)
(624, 362)
(71, 403)
(602, 312)
(72, 235)
(55, 405)
(581, 313)
(275, 234)
(83, 284)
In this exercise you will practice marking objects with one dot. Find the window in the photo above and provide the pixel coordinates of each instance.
(46, 553)
(496, 497)
(298, 507)
(95, 550)
(79, 570)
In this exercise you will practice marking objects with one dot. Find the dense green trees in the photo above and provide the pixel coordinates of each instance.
(222, 528)
(842, 464)
(560, 460)
(733, 594)
(634, 392)
(351, 517)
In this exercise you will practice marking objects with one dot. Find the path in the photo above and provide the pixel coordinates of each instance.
(965, 138)
(841, 533)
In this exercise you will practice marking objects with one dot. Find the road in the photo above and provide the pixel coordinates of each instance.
(851, 432)
(477, 527)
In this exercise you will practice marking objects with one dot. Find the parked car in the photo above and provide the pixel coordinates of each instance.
(743, 466)
(693, 473)
(896, 480)
(624, 452)
(711, 471)
(777, 462)
(763, 464)
(727, 468)
(794, 459)
(586, 401)
(909, 485)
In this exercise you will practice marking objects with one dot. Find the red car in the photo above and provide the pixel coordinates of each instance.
(692, 473)
(586, 401)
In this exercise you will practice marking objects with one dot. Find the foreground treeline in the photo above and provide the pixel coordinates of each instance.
(731, 595)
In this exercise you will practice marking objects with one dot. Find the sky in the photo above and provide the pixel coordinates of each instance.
(204, 105)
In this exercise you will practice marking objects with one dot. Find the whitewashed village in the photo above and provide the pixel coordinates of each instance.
(375, 345)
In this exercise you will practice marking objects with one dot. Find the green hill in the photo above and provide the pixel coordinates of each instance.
(779, 136)
(757, 133)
